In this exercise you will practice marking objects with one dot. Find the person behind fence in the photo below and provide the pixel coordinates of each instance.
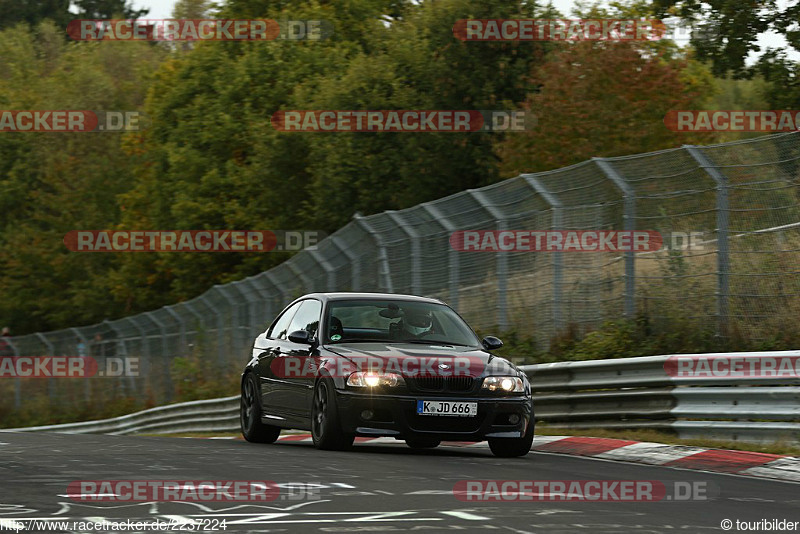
(81, 347)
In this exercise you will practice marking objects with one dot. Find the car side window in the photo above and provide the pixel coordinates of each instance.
(281, 328)
(307, 317)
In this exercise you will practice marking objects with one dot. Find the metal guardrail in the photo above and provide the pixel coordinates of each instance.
(213, 415)
(614, 394)
(638, 393)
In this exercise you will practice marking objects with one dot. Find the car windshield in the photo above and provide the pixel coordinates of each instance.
(396, 321)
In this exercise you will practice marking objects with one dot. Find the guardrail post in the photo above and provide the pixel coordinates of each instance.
(452, 254)
(558, 258)
(384, 271)
(416, 267)
(629, 222)
(723, 252)
(355, 264)
(502, 258)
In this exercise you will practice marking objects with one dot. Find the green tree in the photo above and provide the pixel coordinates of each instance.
(52, 183)
(107, 9)
(32, 12)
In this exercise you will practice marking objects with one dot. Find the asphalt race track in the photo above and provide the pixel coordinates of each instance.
(373, 488)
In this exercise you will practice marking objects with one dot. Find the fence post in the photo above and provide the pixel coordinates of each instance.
(220, 328)
(355, 264)
(51, 349)
(383, 258)
(231, 319)
(416, 267)
(164, 353)
(87, 386)
(723, 252)
(308, 285)
(287, 297)
(558, 258)
(17, 383)
(502, 258)
(330, 272)
(267, 297)
(629, 222)
(147, 355)
(241, 332)
(452, 254)
(175, 315)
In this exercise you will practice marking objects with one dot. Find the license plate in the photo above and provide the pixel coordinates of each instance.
(458, 409)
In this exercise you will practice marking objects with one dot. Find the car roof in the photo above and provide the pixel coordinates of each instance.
(348, 295)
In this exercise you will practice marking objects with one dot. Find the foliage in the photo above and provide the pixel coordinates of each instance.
(212, 160)
(602, 99)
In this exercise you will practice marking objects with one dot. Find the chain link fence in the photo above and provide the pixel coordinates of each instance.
(729, 215)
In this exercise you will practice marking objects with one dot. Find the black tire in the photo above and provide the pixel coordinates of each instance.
(326, 429)
(513, 447)
(253, 429)
(423, 443)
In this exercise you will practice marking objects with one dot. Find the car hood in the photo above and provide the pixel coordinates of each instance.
(404, 356)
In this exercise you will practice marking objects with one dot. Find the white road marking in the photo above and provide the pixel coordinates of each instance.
(650, 453)
(466, 515)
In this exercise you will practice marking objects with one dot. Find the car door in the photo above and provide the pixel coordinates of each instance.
(272, 381)
(299, 360)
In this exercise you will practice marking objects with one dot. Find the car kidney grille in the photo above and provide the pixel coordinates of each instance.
(459, 383)
(440, 383)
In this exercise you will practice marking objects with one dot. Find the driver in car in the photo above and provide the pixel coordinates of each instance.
(415, 324)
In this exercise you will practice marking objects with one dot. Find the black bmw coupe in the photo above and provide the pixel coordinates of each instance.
(369, 364)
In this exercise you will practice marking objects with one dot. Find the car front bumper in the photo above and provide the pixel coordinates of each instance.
(396, 416)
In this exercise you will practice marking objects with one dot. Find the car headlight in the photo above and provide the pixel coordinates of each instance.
(508, 384)
(370, 379)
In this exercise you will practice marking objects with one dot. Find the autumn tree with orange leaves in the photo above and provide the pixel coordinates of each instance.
(603, 99)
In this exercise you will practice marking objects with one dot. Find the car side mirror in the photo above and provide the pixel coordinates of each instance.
(491, 343)
(300, 336)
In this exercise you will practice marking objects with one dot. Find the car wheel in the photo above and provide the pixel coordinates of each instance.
(422, 443)
(253, 429)
(326, 431)
(512, 447)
